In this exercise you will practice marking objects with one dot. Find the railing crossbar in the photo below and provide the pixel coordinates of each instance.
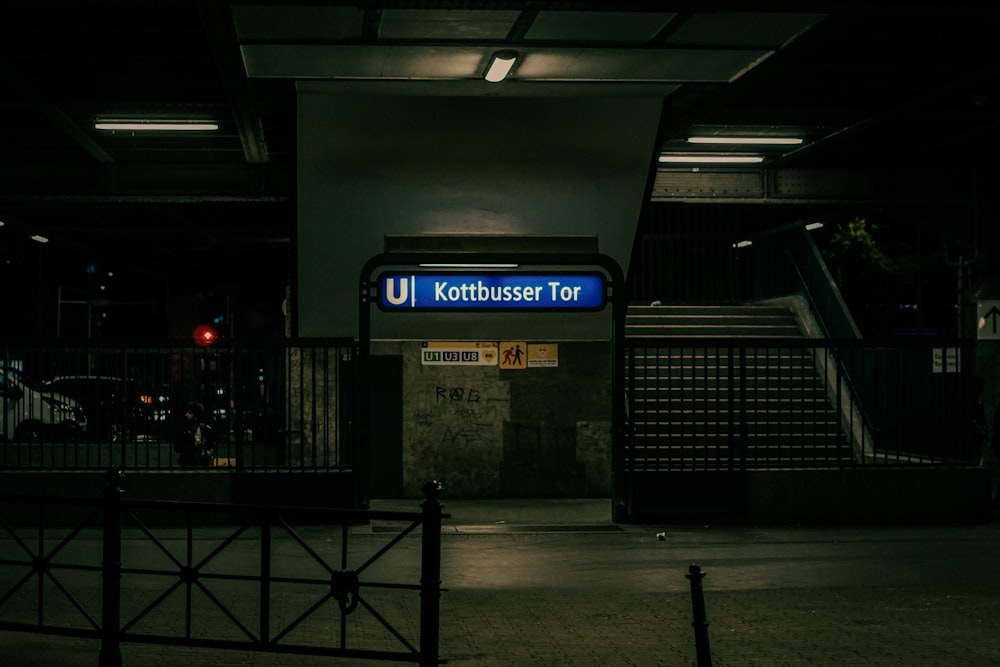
(72, 600)
(389, 545)
(302, 617)
(221, 547)
(152, 605)
(73, 533)
(225, 610)
(18, 584)
(395, 633)
(17, 538)
(305, 546)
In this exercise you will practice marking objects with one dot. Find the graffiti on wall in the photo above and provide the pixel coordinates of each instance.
(453, 427)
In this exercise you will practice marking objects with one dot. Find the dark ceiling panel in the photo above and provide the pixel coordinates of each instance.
(315, 23)
(446, 24)
(598, 27)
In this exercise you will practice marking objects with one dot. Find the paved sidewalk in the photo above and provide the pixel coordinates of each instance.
(554, 583)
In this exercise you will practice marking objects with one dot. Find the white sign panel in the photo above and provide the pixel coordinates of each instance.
(947, 360)
(988, 320)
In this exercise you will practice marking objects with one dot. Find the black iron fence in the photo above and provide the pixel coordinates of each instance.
(793, 403)
(283, 405)
(273, 579)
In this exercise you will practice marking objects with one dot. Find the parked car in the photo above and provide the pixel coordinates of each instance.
(117, 408)
(32, 413)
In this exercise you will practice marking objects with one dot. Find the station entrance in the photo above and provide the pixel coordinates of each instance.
(496, 374)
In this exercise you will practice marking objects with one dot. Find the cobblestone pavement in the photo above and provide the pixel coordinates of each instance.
(567, 588)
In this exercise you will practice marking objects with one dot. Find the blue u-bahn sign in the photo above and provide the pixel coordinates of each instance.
(491, 291)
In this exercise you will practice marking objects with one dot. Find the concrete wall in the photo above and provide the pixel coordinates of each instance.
(487, 432)
(419, 160)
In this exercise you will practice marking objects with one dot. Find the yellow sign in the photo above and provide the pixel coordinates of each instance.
(513, 356)
(543, 355)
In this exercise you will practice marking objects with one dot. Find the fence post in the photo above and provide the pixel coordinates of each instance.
(110, 654)
(430, 575)
(265, 577)
(700, 622)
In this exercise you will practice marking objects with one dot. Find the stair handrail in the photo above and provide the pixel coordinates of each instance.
(793, 266)
(788, 262)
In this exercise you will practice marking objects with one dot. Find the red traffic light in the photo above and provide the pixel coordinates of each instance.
(205, 335)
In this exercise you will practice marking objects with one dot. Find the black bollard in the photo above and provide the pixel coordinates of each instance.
(700, 622)
(110, 654)
(430, 575)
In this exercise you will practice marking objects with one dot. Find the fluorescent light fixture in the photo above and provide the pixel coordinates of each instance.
(756, 141)
(39, 238)
(157, 125)
(814, 225)
(743, 244)
(712, 159)
(468, 266)
(500, 66)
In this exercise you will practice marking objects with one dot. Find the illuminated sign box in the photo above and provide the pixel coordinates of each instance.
(491, 291)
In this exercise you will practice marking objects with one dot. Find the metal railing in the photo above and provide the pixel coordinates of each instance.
(787, 261)
(275, 406)
(741, 404)
(259, 585)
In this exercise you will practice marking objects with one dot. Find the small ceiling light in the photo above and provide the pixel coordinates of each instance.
(743, 244)
(712, 159)
(814, 225)
(757, 141)
(468, 266)
(39, 238)
(500, 66)
(157, 125)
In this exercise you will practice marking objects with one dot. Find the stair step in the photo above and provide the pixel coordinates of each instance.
(641, 323)
(706, 310)
(709, 331)
(702, 394)
(660, 425)
(783, 434)
(722, 355)
(692, 411)
(716, 321)
(697, 464)
(683, 406)
(721, 383)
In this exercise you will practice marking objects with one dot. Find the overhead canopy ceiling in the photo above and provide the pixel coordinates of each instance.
(884, 87)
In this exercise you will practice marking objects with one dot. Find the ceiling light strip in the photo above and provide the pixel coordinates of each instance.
(452, 265)
(156, 126)
(711, 159)
(755, 141)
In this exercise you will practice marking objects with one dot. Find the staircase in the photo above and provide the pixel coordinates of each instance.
(711, 402)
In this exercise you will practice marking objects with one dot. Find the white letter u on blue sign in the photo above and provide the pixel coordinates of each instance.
(406, 291)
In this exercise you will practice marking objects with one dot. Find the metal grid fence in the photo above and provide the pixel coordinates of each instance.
(798, 403)
(278, 406)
